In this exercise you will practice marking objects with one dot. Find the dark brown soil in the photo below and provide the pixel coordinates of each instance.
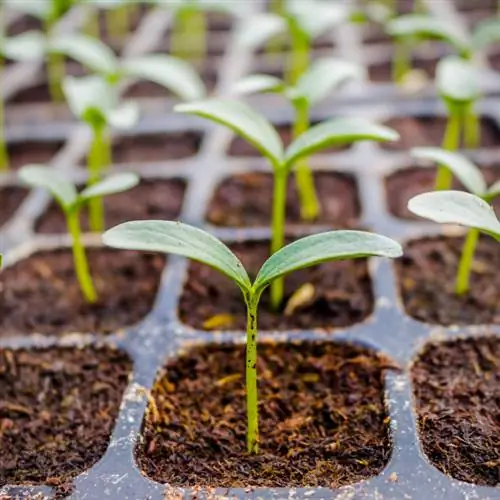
(152, 199)
(22, 153)
(57, 412)
(155, 147)
(429, 131)
(427, 273)
(342, 294)
(476, 4)
(240, 147)
(322, 418)
(458, 403)
(382, 72)
(11, 198)
(41, 295)
(495, 62)
(405, 184)
(246, 200)
(24, 23)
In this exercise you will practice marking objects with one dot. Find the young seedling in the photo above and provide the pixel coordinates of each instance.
(96, 103)
(71, 203)
(303, 22)
(188, 241)
(259, 132)
(323, 77)
(465, 209)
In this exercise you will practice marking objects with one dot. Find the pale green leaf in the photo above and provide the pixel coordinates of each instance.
(456, 207)
(40, 176)
(457, 79)
(170, 72)
(337, 132)
(258, 84)
(124, 116)
(465, 171)
(486, 33)
(333, 245)
(259, 29)
(111, 185)
(243, 120)
(25, 47)
(493, 191)
(180, 239)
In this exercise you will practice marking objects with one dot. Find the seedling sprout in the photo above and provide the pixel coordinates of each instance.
(259, 132)
(71, 203)
(188, 241)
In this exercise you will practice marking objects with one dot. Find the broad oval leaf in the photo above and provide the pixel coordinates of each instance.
(259, 29)
(88, 51)
(111, 185)
(335, 132)
(457, 79)
(258, 84)
(180, 239)
(456, 207)
(468, 174)
(25, 47)
(170, 72)
(41, 176)
(333, 245)
(243, 120)
(486, 33)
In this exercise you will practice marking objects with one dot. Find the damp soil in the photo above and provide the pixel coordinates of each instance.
(342, 295)
(151, 199)
(407, 183)
(430, 130)
(22, 153)
(427, 273)
(382, 72)
(323, 421)
(40, 294)
(11, 198)
(457, 397)
(58, 408)
(246, 200)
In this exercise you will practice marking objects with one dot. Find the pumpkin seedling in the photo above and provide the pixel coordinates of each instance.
(188, 241)
(324, 76)
(258, 131)
(71, 203)
(97, 104)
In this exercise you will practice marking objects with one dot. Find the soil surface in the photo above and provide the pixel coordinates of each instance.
(342, 295)
(151, 199)
(429, 131)
(458, 404)
(41, 295)
(11, 198)
(476, 4)
(246, 200)
(155, 147)
(407, 183)
(22, 153)
(322, 418)
(382, 72)
(427, 273)
(24, 23)
(57, 411)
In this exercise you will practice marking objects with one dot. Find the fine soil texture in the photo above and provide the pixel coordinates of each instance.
(456, 388)
(427, 273)
(151, 199)
(57, 411)
(407, 183)
(323, 421)
(337, 294)
(246, 200)
(23, 153)
(11, 198)
(430, 130)
(41, 295)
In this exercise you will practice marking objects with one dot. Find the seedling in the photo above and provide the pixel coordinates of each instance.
(71, 203)
(303, 22)
(188, 241)
(324, 76)
(258, 131)
(465, 209)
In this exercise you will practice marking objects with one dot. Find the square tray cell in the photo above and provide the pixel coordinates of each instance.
(58, 408)
(342, 295)
(11, 198)
(41, 293)
(323, 420)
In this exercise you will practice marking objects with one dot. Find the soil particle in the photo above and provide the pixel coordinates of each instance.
(427, 273)
(322, 418)
(342, 294)
(40, 294)
(11, 198)
(246, 200)
(457, 391)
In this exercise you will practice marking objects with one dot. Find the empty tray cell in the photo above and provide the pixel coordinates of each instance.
(11, 198)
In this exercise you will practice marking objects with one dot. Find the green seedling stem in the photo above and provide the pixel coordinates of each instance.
(55, 62)
(298, 62)
(189, 33)
(401, 61)
(462, 284)
(118, 21)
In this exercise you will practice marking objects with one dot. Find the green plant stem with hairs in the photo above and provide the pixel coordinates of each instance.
(464, 269)
(298, 62)
(189, 33)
